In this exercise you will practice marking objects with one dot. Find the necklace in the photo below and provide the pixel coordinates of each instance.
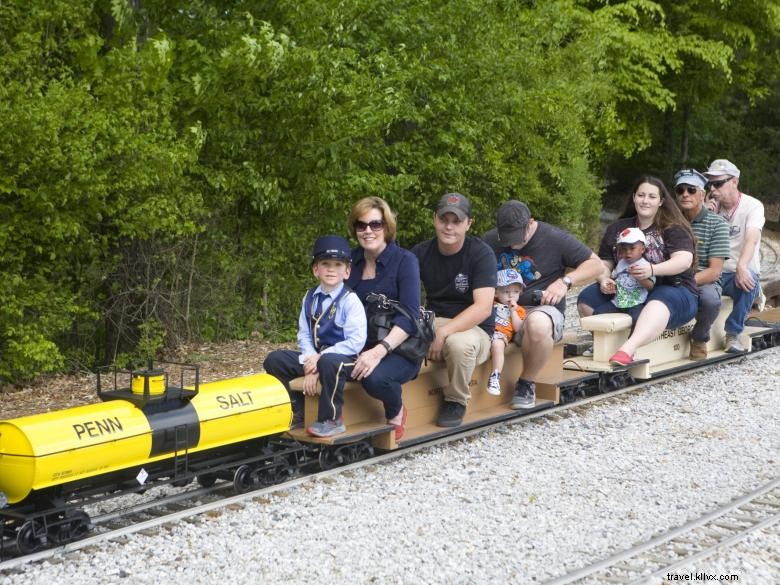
(730, 216)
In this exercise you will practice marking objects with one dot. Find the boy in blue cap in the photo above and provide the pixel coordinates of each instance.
(331, 332)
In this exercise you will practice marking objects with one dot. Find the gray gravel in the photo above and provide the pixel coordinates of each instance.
(522, 504)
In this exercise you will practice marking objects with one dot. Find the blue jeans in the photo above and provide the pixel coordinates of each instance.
(385, 381)
(679, 300)
(743, 301)
(709, 307)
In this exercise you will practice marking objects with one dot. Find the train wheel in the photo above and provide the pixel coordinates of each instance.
(242, 480)
(207, 480)
(26, 540)
(329, 459)
(72, 527)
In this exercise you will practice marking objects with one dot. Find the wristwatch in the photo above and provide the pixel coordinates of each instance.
(567, 281)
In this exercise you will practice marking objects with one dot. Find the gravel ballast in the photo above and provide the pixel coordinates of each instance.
(521, 504)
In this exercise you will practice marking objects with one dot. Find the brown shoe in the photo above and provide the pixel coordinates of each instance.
(698, 350)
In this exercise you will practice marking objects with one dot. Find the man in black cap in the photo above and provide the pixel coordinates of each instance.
(541, 253)
(459, 275)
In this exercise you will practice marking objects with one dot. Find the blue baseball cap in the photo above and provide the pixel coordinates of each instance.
(690, 177)
(331, 247)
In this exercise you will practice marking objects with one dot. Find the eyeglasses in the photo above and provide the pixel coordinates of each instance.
(375, 225)
(682, 189)
(718, 184)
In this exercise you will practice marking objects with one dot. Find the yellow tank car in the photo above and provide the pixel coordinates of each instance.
(56, 448)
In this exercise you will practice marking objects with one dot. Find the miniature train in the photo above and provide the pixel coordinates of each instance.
(151, 431)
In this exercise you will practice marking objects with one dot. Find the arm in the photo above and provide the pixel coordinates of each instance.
(477, 312)
(712, 272)
(591, 269)
(678, 262)
(305, 344)
(744, 278)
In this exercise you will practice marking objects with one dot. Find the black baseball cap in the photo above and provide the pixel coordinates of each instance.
(331, 247)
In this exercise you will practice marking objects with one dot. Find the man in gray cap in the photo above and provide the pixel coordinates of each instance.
(745, 217)
(458, 272)
(712, 249)
(540, 252)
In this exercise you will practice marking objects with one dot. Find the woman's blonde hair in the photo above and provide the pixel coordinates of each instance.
(367, 204)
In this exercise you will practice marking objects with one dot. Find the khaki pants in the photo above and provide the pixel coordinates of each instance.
(463, 352)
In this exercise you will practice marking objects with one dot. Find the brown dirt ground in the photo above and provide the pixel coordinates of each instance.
(48, 393)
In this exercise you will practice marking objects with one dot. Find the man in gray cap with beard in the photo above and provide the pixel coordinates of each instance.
(540, 252)
(745, 216)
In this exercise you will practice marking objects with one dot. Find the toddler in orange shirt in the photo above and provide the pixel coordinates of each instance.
(509, 318)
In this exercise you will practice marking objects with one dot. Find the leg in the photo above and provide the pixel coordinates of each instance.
(591, 298)
(497, 354)
(537, 343)
(334, 369)
(463, 352)
(283, 365)
(651, 323)
(743, 301)
(385, 381)
(709, 306)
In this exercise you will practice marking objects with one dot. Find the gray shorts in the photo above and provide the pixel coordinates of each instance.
(556, 317)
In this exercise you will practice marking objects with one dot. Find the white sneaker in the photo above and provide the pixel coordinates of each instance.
(494, 384)
(733, 344)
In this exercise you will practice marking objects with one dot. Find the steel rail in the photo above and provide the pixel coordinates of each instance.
(238, 499)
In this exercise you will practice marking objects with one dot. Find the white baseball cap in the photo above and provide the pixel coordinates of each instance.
(631, 236)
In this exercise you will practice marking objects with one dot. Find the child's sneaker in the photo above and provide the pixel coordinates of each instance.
(494, 384)
(327, 428)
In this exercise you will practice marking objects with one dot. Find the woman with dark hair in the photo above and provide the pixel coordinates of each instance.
(670, 250)
(380, 265)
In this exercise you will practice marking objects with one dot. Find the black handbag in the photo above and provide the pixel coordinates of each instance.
(380, 312)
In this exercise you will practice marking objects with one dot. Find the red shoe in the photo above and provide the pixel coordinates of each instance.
(621, 358)
(399, 429)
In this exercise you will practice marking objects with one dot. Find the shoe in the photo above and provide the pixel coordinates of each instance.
(327, 428)
(451, 414)
(733, 344)
(621, 358)
(297, 420)
(698, 350)
(400, 428)
(494, 384)
(525, 395)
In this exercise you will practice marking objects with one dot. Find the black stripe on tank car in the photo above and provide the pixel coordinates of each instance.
(173, 429)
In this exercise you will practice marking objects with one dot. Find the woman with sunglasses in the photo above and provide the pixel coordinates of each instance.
(670, 251)
(381, 266)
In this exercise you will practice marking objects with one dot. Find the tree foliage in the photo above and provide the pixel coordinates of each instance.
(165, 166)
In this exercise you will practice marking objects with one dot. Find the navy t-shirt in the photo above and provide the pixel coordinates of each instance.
(450, 281)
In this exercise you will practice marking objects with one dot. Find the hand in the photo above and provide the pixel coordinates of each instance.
(744, 279)
(310, 364)
(554, 293)
(641, 272)
(436, 351)
(367, 362)
(712, 204)
(608, 287)
(310, 384)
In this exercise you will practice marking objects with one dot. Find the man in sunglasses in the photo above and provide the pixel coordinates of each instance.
(712, 249)
(745, 217)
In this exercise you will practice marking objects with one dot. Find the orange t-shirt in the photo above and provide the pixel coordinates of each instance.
(503, 318)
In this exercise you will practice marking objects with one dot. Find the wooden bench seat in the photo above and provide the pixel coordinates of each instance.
(670, 349)
(423, 398)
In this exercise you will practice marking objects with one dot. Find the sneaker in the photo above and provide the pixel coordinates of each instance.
(451, 414)
(327, 428)
(621, 358)
(525, 395)
(400, 427)
(494, 384)
(733, 344)
(297, 420)
(698, 350)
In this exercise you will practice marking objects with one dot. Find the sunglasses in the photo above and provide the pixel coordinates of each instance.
(682, 189)
(718, 184)
(375, 225)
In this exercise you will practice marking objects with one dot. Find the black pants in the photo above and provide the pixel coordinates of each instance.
(333, 368)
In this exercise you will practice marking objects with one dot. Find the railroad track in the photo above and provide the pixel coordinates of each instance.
(680, 547)
(148, 516)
